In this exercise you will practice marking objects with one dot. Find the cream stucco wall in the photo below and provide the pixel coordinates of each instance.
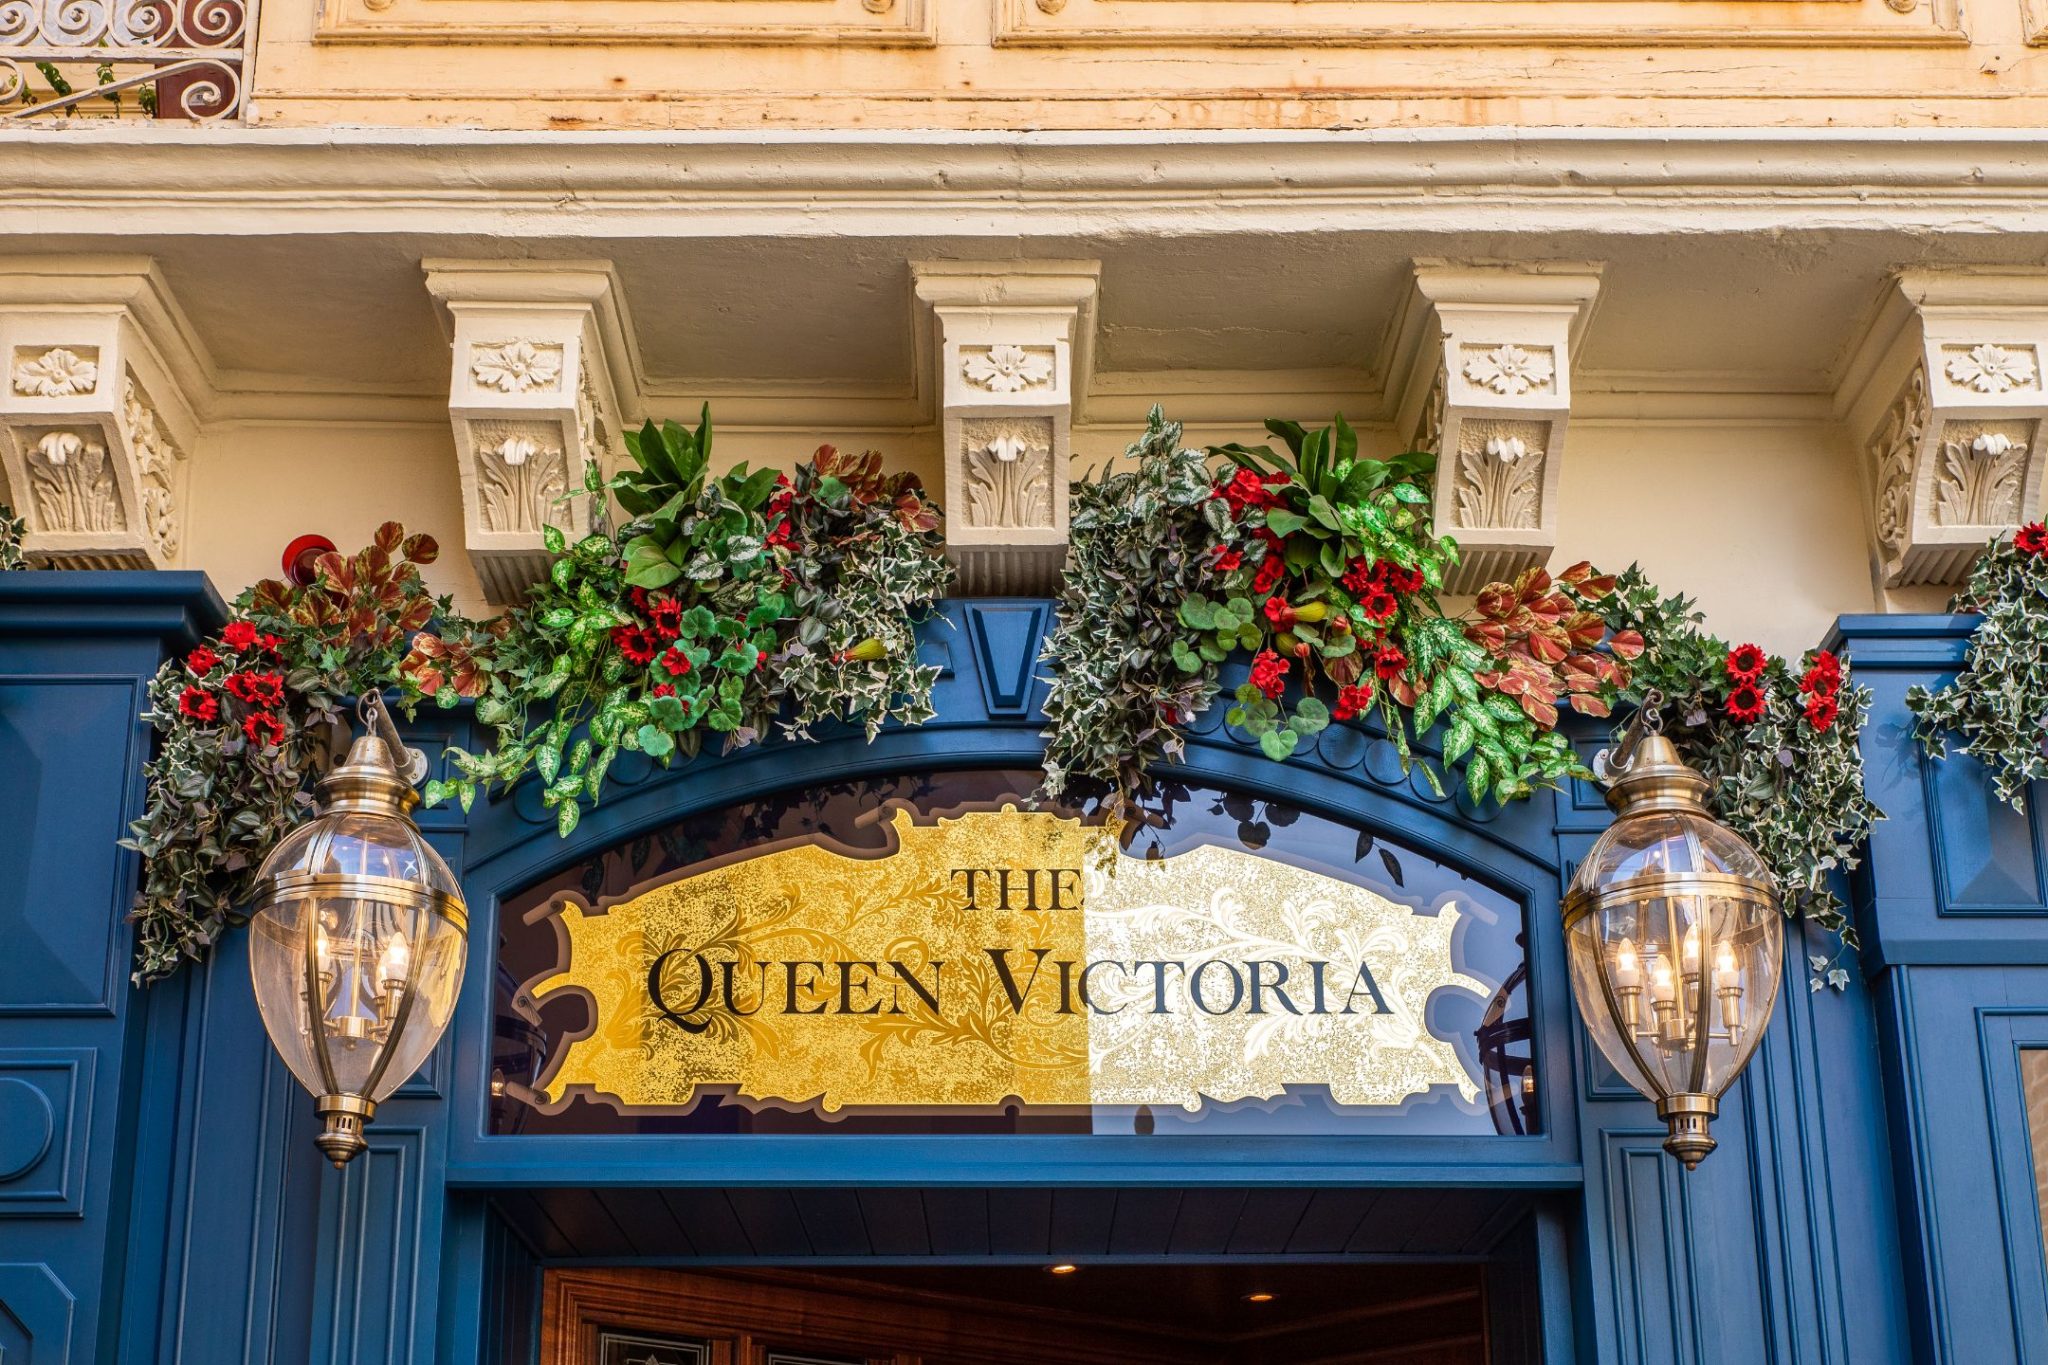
(1762, 523)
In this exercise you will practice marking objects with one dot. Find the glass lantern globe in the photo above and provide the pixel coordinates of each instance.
(357, 945)
(1676, 944)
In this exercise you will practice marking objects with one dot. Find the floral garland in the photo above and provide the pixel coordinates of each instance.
(1319, 567)
(245, 719)
(723, 605)
(1998, 703)
(1778, 748)
(1322, 567)
(12, 530)
(755, 600)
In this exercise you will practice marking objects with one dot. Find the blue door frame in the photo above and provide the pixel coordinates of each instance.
(171, 1205)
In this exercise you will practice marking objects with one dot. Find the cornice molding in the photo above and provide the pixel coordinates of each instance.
(566, 185)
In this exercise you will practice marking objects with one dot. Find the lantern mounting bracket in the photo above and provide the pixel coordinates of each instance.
(376, 718)
(1610, 763)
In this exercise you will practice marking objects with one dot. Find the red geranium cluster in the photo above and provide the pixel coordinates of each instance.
(1822, 687)
(1746, 664)
(1246, 490)
(2031, 539)
(1353, 700)
(259, 690)
(1269, 673)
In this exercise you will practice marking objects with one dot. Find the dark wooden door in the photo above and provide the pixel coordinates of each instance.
(1433, 1316)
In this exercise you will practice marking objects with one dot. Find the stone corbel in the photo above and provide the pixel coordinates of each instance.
(1945, 398)
(1011, 344)
(538, 349)
(94, 429)
(1481, 374)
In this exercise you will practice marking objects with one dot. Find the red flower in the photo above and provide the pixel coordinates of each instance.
(1271, 571)
(2032, 539)
(257, 689)
(201, 661)
(1227, 559)
(1379, 605)
(1246, 490)
(269, 644)
(238, 635)
(1360, 577)
(1746, 663)
(1821, 712)
(196, 703)
(635, 642)
(760, 657)
(1746, 703)
(781, 533)
(1352, 701)
(1824, 678)
(664, 689)
(262, 729)
(1280, 612)
(1403, 580)
(1269, 673)
(1388, 662)
(675, 663)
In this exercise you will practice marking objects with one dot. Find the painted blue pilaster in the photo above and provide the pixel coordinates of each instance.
(76, 650)
(1954, 903)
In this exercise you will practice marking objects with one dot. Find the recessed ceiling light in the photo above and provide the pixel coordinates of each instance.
(1063, 1268)
(1261, 1297)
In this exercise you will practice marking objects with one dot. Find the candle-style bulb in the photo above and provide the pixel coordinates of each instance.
(395, 962)
(1628, 970)
(1662, 985)
(1689, 954)
(1724, 962)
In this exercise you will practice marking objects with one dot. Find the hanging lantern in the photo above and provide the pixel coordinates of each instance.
(359, 937)
(1675, 938)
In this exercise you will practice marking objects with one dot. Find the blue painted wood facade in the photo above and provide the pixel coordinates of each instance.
(161, 1199)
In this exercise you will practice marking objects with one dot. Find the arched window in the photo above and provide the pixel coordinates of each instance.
(936, 953)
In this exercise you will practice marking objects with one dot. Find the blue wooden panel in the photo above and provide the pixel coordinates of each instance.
(36, 1313)
(45, 1129)
(373, 1233)
(1971, 1222)
(75, 649)
(73, 741)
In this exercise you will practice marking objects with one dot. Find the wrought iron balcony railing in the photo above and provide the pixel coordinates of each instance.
(169, 59)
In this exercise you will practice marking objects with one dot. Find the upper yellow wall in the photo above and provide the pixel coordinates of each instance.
(1152, 64)
(1763, 525)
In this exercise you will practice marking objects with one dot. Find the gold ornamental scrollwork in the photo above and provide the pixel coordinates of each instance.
(1003, 956)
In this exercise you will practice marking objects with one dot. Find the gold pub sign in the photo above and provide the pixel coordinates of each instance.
(1003, 955)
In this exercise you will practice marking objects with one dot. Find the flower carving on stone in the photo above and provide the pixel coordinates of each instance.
(1511, 369)
(56, 373)
(516, 366)
(1991, 369)
(1007, 369)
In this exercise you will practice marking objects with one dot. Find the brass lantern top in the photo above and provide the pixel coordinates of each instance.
(1634, 856)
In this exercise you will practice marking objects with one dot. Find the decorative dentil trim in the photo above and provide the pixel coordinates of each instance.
(59, 372)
